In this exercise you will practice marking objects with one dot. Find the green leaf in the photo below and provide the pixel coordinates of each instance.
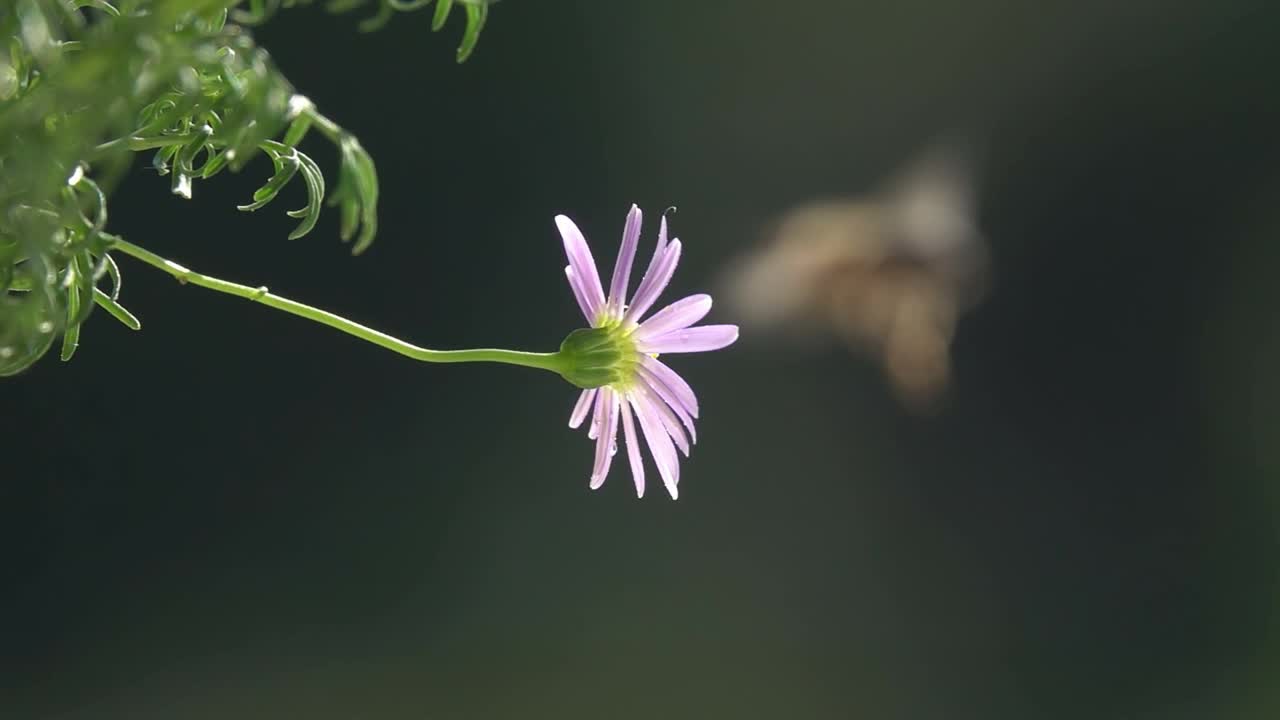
(102, 5)
(114, 271)
(357, 194)
(341, 6)
(259, 11)
(408, 5)
(108, 303)
(215, 164)
(477, 13)
(315, 197)
(73, 280)
(70, 342)
(377, 21)
(441, 14)
(286, 167)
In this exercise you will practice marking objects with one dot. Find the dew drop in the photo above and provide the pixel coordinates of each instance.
(6, 352)
(45, 326)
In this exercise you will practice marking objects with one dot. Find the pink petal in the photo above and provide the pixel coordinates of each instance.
(664, 414)
(580, 295)
(584, 265)
(626, 258)
(673, 381)
(690, 340)
(607, 406)
(633, 450)
(654, 282)
(660, 389)
(593, 430)
(662, 239)
(664, 454)
(581, 408)
(658, 253)
(676, 316)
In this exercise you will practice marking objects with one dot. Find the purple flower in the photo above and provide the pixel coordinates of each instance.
(642, 391)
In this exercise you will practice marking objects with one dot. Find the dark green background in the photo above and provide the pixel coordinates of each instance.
(237, 514)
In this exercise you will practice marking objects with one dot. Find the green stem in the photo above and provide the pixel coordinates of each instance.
(543, 361)
(327, 127)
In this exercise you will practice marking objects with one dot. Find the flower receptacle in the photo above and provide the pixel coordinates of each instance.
(594, 357)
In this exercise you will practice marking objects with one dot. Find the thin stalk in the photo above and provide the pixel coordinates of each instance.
(543, 361)
(327, 127)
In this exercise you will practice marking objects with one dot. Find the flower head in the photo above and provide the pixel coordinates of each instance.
(616, 359)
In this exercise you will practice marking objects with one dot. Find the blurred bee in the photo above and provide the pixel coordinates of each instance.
(890, 273)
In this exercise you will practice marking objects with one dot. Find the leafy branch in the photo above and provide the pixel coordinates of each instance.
(86, 84)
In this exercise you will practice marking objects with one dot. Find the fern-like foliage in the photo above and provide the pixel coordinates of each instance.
(86, 84)
(477, 12)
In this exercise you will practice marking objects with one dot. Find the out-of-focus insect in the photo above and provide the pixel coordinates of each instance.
(889, 272)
